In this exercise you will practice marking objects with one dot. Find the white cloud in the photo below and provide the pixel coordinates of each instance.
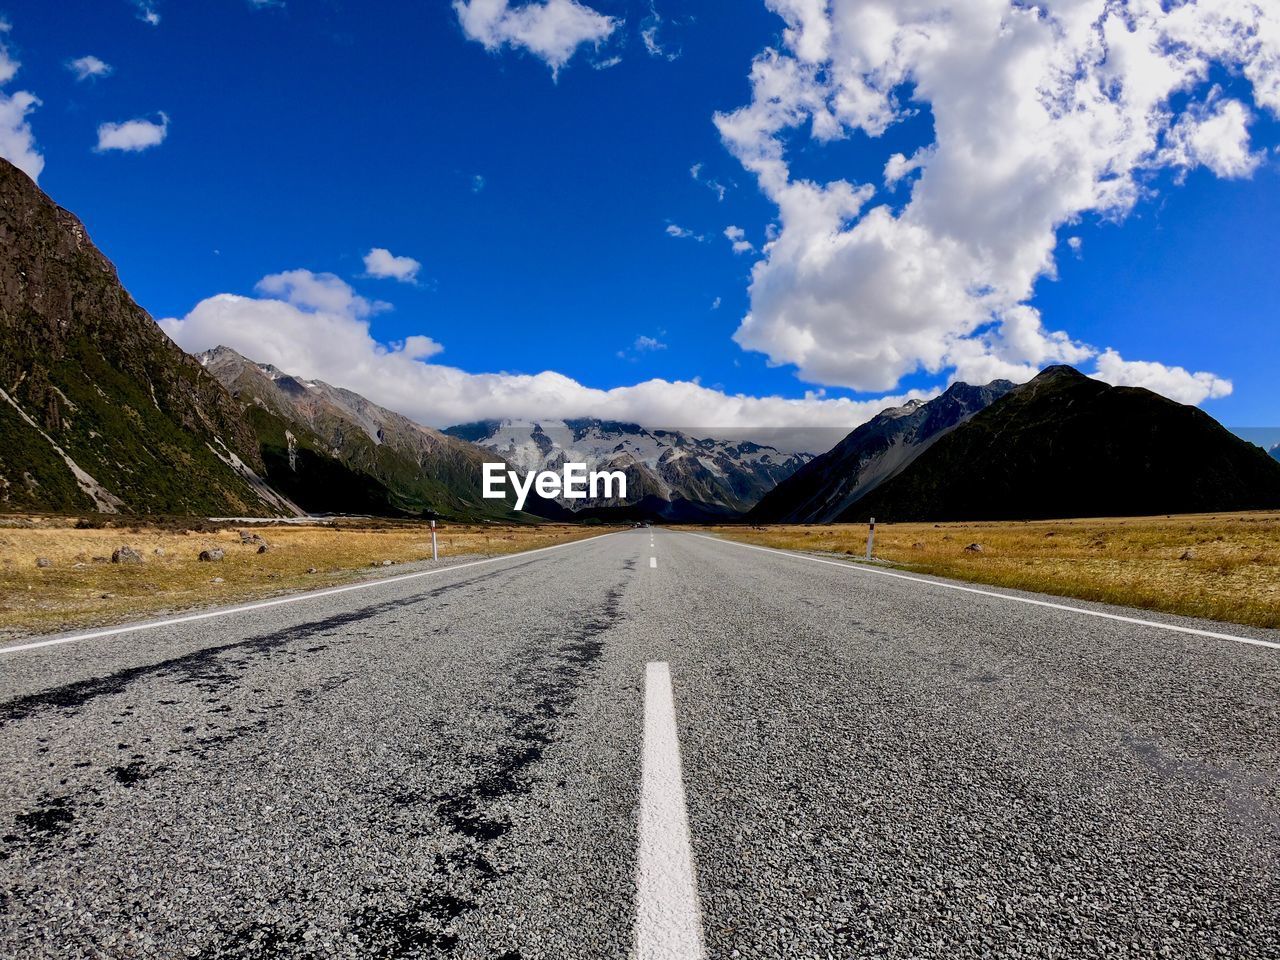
(1042, 114)
(380, 262)
(17, 141)
(1176, 383)
(899, 166)
(649, 28)
(419, 347)
(316, 326)
(89, 67)
(681, 233)
(552, 30)
(133, 136)
(477, 183)
(738, 237)
(715, 186)
(321, 293)
(644, 343)
(1214, 135)
(147, 12)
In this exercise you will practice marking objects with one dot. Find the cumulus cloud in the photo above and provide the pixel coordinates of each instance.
(1176, 383)
(1214, 135)
(319, 293)
(418, 347)
(1042, 114)
(382, 263)
(316, 326)
(899, 166)
(17, 141)
(645, 343)
(89, 67)
(738, 237)
(552, 30)
(133, 136)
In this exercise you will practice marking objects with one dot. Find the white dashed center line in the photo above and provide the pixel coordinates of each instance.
(668, 920)
(653, 562)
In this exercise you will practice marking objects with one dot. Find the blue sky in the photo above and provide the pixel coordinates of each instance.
(559, 226)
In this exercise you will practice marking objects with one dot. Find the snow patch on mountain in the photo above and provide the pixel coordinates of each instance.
(668, 464)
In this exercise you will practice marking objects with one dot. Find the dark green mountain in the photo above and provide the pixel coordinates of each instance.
(99, 410)
(1065, 445)
(880, 449)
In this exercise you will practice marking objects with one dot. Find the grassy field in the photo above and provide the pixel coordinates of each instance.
(1224, 567)
(80, 586)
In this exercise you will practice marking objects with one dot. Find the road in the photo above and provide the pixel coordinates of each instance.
(648, 744)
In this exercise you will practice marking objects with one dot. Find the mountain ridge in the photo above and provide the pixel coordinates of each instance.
(872, 453)
(334, 450)
(1066, 445)
(99, 409)
(695, 478)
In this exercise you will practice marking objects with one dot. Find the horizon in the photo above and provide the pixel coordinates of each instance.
(807, 440)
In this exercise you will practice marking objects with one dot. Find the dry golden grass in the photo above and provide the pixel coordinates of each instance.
(1224, 567)
(80, 587)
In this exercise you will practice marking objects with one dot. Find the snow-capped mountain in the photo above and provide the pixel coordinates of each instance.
(1275, 451)
(676, 475)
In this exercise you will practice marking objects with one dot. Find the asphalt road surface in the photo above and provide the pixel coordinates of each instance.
(612, 749)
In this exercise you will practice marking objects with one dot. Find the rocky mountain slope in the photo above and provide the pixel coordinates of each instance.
(332, 450)
(1064, 445)
(821, 490)
(670, 475)
(99, 410)
(1275, 451)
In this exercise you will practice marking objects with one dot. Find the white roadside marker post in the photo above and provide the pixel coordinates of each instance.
(871, 538)
(435, 550)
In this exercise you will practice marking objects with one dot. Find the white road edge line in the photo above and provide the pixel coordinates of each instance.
(668, 919)
(281, 601)
(859, 568)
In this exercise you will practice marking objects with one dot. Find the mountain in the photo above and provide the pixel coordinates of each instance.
(333, 451)
(99, 409)
(1275, 451)
(670, 475)
(879, 449)
(1064, 445)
